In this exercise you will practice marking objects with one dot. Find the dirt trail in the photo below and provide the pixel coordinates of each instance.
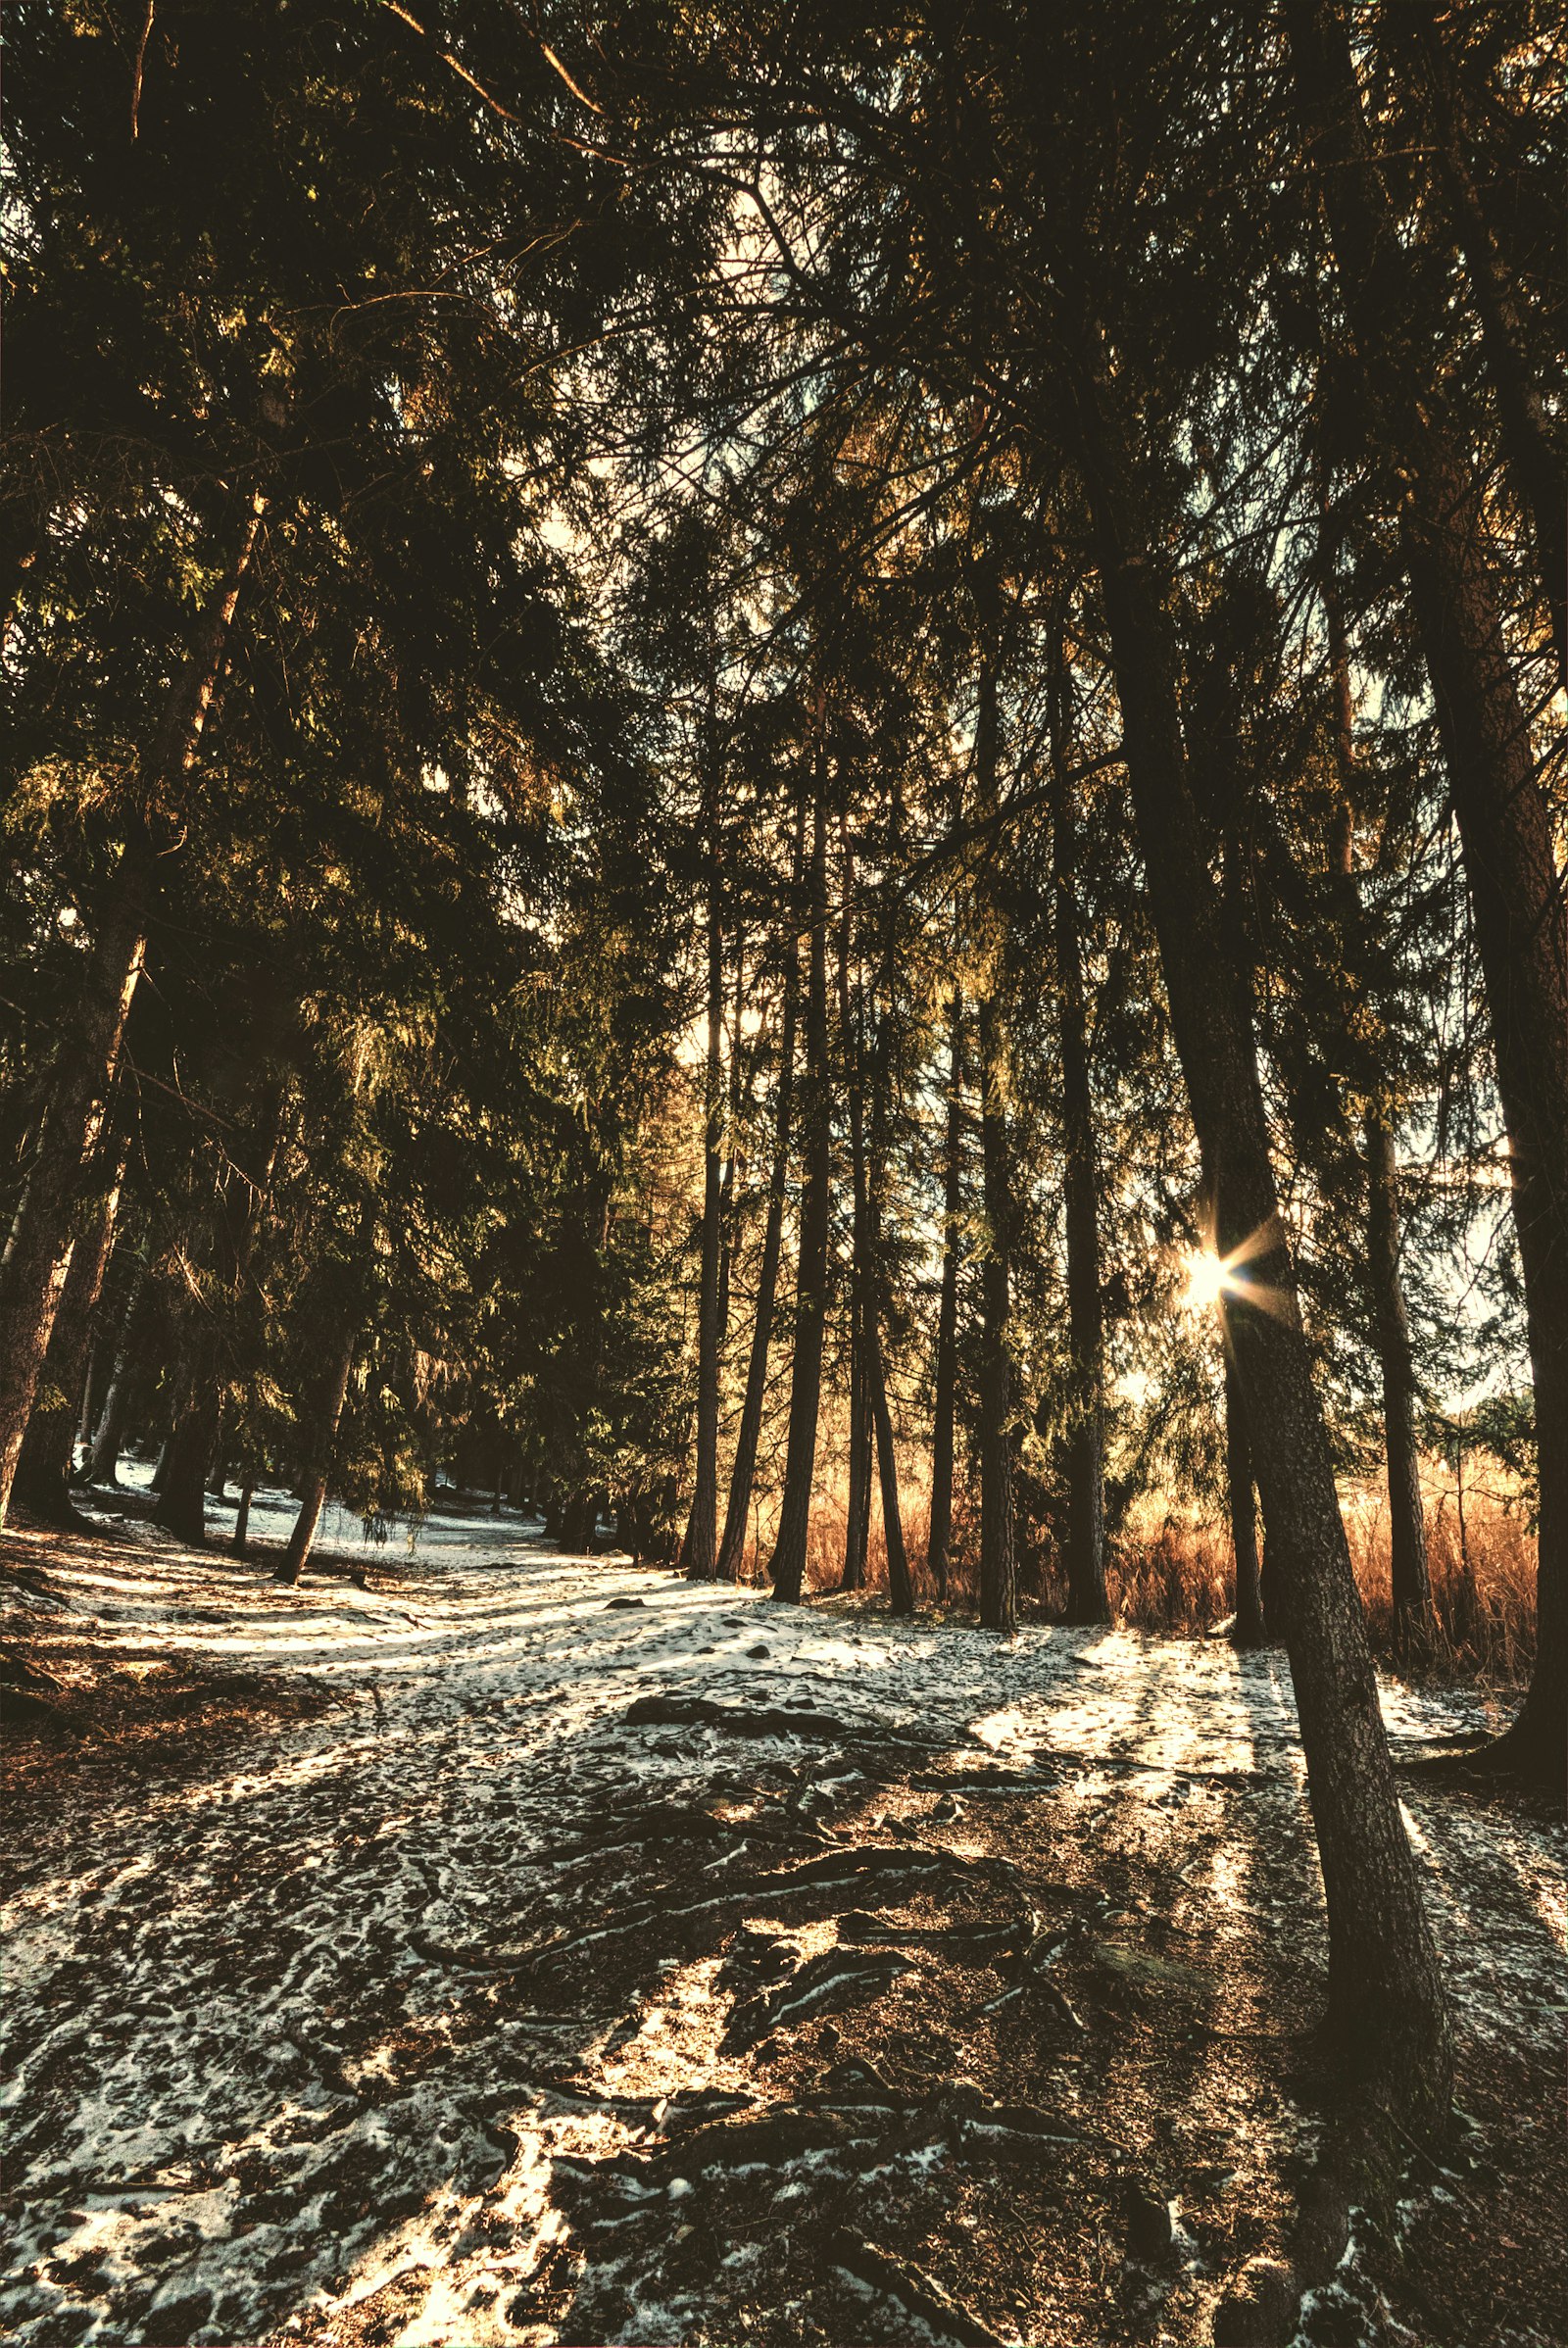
(594, 1957)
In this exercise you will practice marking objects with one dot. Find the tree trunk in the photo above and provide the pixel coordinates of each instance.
(732, 1549)
(323, 1438)
(1386, 1992)
(701, 1526)
(946, 1362)
(34, 1272)
(857, 1520)
(1414, 1621)
(1250, 1629)
(242, 1516)
(1087, 1598)
(787, 1568)
(103, 1466)
(43, 1468)
(1505, 829)
(999, 1576)
(182, 1494)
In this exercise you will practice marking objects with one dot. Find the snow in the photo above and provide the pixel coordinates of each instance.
(246, 2084)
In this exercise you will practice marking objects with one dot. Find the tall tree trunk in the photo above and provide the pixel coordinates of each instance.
(787, 1567)
(946, 1362)
(319, 1466)
(141, 1305)
(1505, 831)
(34, 1272)
(701, 1529)
(858, 1517)
(242, 1515)
(732, 1549)
(1386, 1992)
(182, 1494)
(43, 1468)
(999, 1570)
(1087, 1598)
(1414, 1621)
(1250, 1629)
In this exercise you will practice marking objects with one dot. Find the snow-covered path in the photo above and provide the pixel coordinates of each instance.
(334, 2038)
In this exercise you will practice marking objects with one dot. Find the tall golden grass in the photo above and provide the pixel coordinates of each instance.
(1170, 1569)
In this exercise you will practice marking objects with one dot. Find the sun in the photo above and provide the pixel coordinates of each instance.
(1207, 1278)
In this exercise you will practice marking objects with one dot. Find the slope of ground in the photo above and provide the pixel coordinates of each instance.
(527, 1949)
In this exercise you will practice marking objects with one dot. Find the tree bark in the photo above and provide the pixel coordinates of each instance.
(701, 1545)
(946, 1362)
(858, 1517)
(1414, 1621)
(999, 1570)
(743, 1474)
(1386, 1993)
(787, 1567)
(103, 1466)
(1504, 823)
(323, 1438)
(1087, 1598)
(37, 1257)
(1250, 1629)
(43, 1468)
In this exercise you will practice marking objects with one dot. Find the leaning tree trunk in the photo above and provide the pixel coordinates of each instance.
(1250, 1630)
(1087, 1598)
(787, 1567)
(999, 1571)
(34, 1272)
(701, 1529)
(743, 1474)
(1504, 823)
(1386, 1992)
(322, 1440)
(43, 1470)
(946, 1362)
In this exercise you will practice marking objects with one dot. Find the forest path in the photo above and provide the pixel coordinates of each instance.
(595, 1956)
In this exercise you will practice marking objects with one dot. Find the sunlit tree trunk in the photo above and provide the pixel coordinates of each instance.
(322, 1440)
(1413, 1617)
(1504, 823)
(141, 1306)
(33, 1271)
(43, 1471)
(787, 1568)
(999, 1571)
(1087, 1598)
(946, 1362)
(702, 1529)
(743, 1474)
(858, 1516)
(1243, 1505)
(1386, 1992)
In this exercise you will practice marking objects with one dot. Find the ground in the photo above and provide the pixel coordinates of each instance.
(528, 1949)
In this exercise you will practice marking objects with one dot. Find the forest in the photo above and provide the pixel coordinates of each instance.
(784, 1140)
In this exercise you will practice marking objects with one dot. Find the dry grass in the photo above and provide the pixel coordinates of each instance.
(1170, 1571)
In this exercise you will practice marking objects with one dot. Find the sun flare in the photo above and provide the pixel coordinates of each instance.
(1206, 1280)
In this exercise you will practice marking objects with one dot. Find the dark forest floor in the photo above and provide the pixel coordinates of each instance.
(527, 1949)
